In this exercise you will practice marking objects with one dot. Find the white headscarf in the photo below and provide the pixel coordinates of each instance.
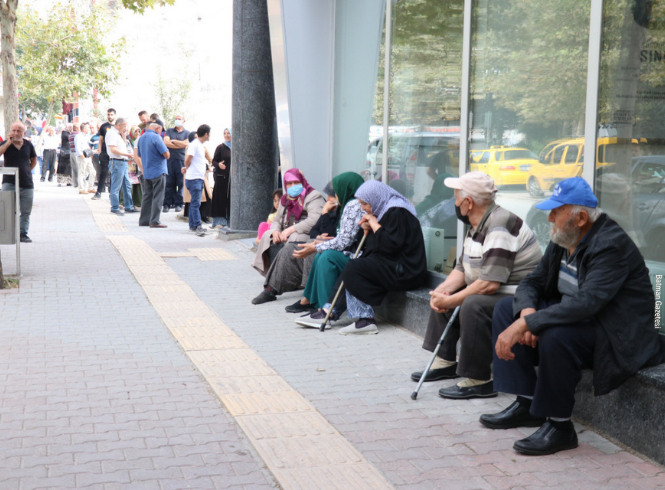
(382, 197)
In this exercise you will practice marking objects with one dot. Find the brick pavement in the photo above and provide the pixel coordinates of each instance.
(97, 394)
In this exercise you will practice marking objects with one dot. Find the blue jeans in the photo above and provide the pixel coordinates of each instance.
(195, 188)
(26, 197)
(120, 179)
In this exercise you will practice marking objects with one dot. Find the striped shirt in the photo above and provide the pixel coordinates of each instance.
(568, 284)
(502, 249)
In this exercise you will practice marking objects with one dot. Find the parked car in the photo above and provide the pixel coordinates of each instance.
(636, 203)
(507, 166)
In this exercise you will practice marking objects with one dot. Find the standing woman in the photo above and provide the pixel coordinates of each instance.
(221, 194)
(64, 162)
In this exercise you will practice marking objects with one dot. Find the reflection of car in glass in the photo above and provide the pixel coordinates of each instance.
(507, 166)
(563, 159)
(415, 158)
(637, 204)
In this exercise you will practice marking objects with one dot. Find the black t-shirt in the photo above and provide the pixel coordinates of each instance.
(21, 159)
(178, 154)
(102, 133)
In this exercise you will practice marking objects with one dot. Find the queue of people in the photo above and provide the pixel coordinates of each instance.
(528, 323)
(145, 168)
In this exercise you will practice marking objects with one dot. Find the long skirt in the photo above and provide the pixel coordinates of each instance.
(221, 198)
(325, 270)
(64, 169)
(286, 272)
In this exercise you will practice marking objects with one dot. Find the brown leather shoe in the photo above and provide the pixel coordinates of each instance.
(159, 226)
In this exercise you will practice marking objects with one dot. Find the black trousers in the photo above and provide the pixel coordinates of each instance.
(561, 354)
(103, 173)
(175, 183)
(153, 196)
(48, 163)
(473, 326)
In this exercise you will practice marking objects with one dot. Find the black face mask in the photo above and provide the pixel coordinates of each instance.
(463, 219)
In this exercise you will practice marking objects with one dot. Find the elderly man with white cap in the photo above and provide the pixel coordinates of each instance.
(499, 249)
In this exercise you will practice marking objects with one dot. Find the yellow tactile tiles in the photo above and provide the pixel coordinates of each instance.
(107, 221)
(297, 443)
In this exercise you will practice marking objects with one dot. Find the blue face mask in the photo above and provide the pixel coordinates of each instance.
(294, 190)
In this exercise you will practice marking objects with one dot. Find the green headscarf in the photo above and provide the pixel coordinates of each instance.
(345, 186)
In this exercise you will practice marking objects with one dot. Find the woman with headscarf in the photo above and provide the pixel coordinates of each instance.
(221, 193)
(298, 211)
(331, 254)
(393, 258)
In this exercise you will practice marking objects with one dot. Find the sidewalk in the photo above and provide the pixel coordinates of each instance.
(133, 358)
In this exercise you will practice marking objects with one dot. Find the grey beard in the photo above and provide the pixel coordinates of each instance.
(568, 237)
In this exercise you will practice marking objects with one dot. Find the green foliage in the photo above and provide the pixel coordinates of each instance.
(63, 55)
(140, 6)
(172, 95)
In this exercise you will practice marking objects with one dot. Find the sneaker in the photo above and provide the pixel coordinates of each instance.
(165, 209)
(96, 196)
(42, 179)
(200, 231)
(25, 238)
(192, 230)
(118, 212)
(364, 326)
(178, 209)
(298, 307)
(266, 295)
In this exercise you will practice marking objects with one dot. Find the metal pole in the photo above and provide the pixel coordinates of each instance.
(592, 84)
(386, 89)
(17, 219)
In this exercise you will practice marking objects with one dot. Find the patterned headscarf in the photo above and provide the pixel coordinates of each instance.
(294, 205)
(382, 197)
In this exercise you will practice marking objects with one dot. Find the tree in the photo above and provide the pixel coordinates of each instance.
(8, 17)
(172, 94)
(63, 56)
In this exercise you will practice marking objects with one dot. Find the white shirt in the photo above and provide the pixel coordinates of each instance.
(51, 142)
(81, 143)
(197, 167)
(114, 138)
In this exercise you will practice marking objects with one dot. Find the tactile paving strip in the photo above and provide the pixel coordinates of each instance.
(107, 221)
(298, 444)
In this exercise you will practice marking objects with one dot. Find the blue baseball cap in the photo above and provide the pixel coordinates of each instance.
(573, 191)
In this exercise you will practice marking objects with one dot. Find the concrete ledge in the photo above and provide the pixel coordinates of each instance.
(228, 234)
(632, 414)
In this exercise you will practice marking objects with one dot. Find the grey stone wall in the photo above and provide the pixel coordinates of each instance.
(254, 155)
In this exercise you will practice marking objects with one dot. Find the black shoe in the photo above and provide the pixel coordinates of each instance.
(133, 210)
(548, 440)
(436, 374)
(297, 307)
(516, 415)
(42, 179)
(26, 239)
(265, 296)
(485, 390)
(96, 196)
(50, 179)
(165, 209)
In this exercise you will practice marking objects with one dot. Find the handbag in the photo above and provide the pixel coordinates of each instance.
(87, 153)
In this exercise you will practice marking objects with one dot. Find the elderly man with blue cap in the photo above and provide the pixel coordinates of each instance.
(588, 304)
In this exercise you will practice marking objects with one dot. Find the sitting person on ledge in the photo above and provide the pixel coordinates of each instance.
(331, 252)
(499, 249)
(588, 305)
(393, 258)
(299, 210)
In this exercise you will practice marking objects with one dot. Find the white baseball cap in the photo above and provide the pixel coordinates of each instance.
(475, 184)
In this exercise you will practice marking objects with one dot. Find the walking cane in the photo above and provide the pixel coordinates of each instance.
(341, 286)
(414, 395)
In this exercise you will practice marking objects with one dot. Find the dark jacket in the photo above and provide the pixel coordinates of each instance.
(615, 294)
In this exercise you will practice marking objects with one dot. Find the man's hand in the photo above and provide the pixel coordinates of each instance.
(306, 249)
(528, 339)
(183, 170)
(440, 302)
(509, 337)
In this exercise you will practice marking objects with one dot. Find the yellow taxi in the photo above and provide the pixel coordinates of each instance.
(563, 160)
(507, 166)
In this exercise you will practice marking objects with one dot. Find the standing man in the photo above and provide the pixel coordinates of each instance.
(116, 146)
(195, 172)
(50, 150)
(145, 119)
(104, 159)
(176, 141)
(72, 152)
(83, 162)
(153, 155)
(19, 153)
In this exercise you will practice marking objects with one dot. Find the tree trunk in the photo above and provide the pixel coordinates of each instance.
(8, 57)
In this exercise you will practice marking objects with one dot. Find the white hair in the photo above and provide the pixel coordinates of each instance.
(593, 213)
(477, 200)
